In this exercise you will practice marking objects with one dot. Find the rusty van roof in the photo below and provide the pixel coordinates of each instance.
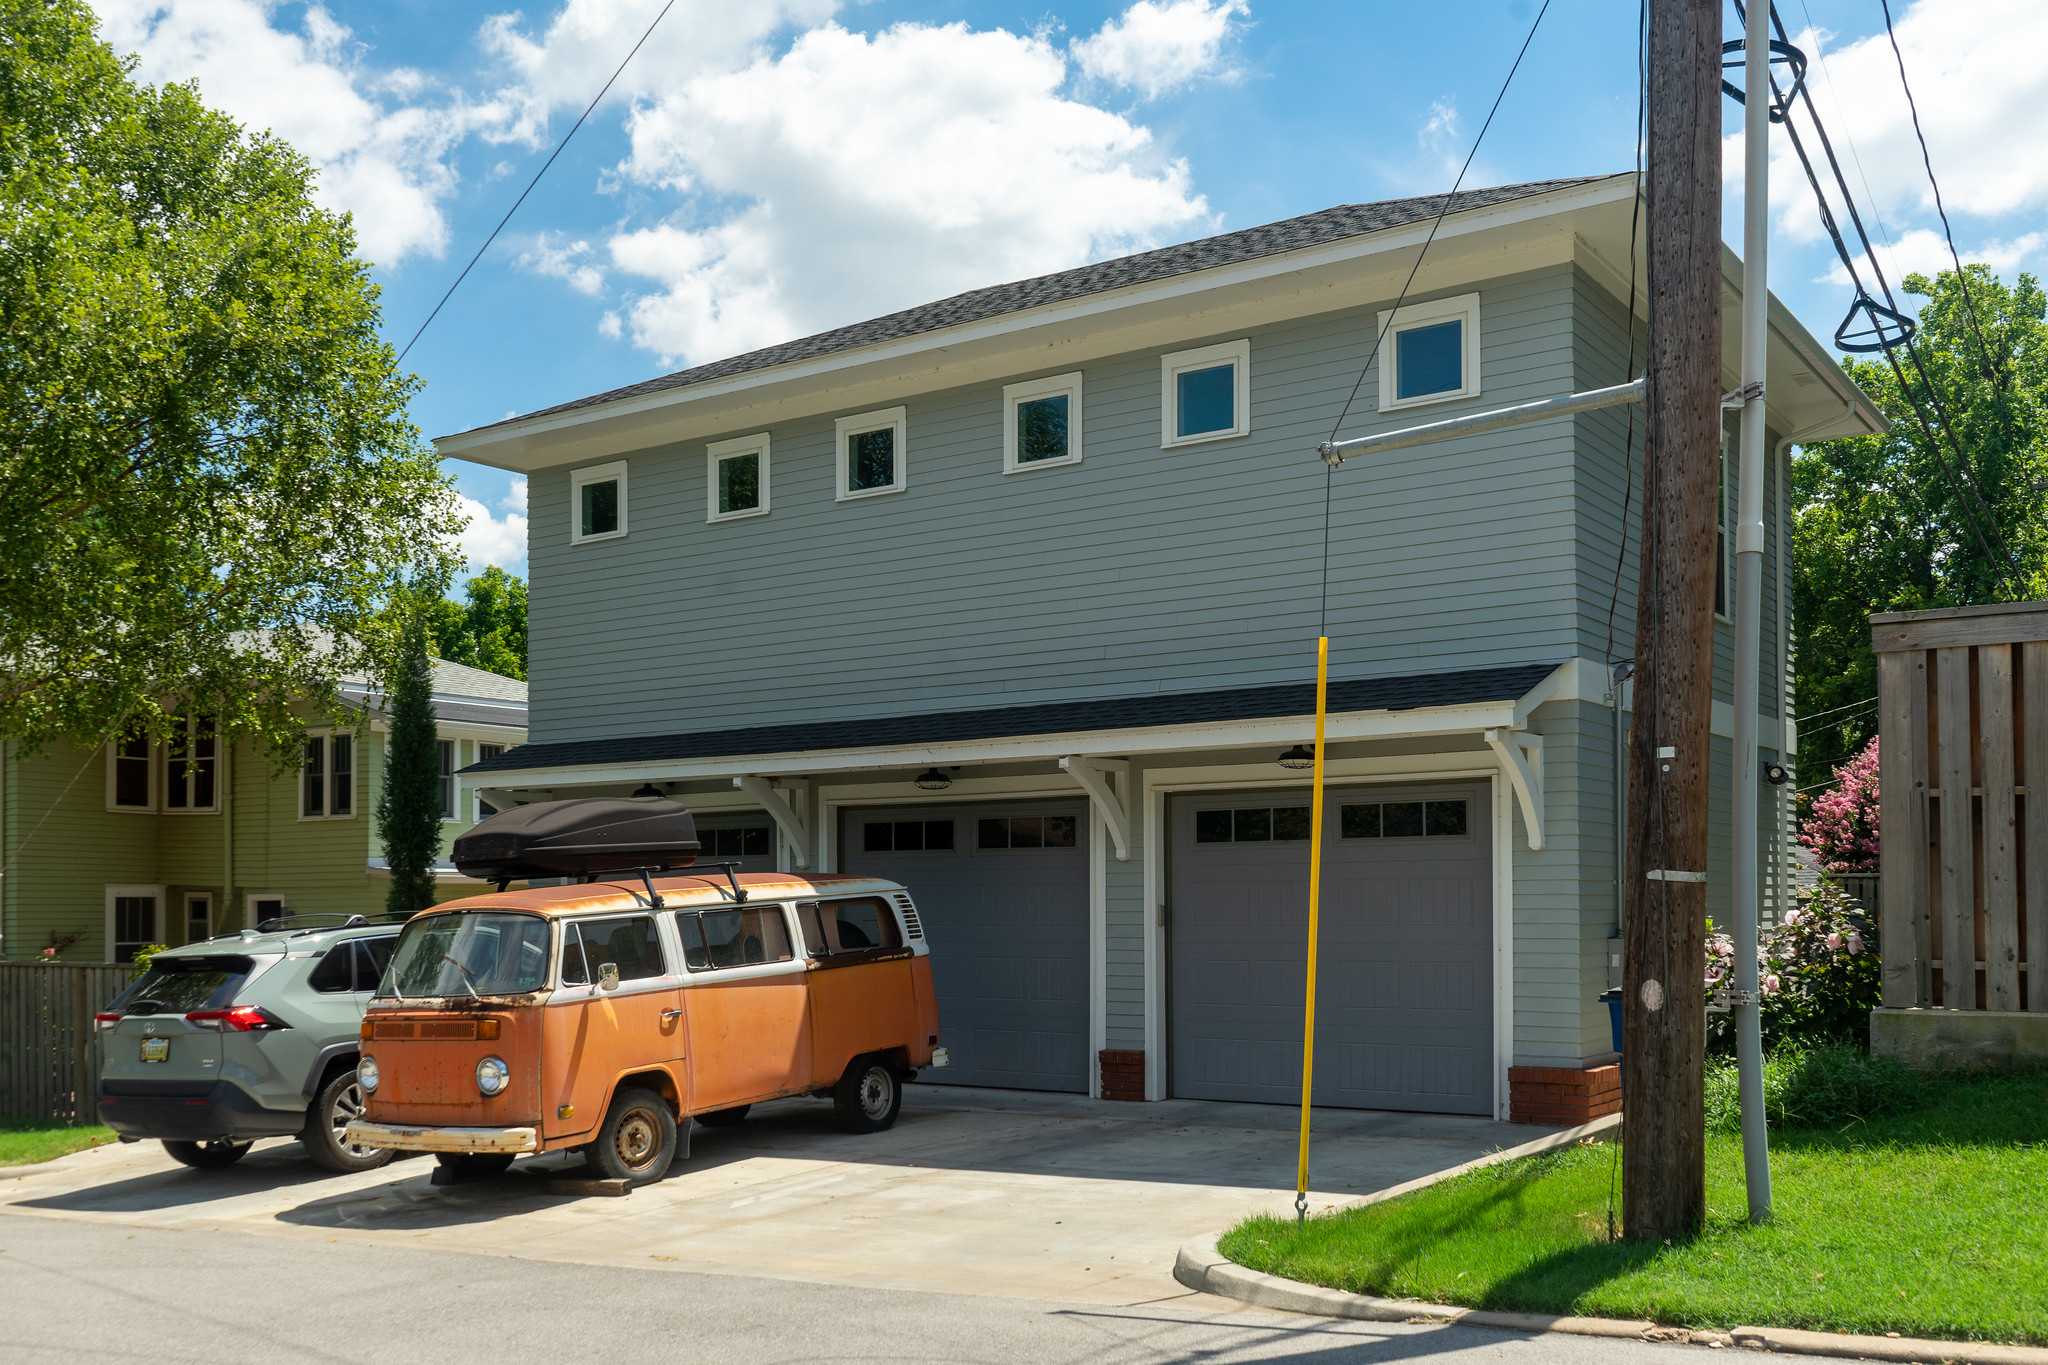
(702, 889)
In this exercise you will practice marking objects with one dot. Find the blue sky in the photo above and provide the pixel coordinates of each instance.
(769, 168)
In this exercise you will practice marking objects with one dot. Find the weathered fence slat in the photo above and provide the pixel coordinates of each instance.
(2001, 859)
(1897, 764)
(1958, 844)
(2034, 857)
(46, 1038)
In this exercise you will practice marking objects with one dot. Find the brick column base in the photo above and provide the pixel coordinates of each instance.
(1123, 1074)
(1563, 1097)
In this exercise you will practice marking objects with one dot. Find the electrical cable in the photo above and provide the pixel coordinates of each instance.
(533, 182)
(1635, 219)
(1847, 706)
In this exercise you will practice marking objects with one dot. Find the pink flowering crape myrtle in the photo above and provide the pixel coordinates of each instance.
(1842, 831)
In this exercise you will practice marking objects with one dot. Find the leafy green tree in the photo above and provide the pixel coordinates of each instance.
(409, 806)
(488, 631)
(1891, 523)
(208, 483)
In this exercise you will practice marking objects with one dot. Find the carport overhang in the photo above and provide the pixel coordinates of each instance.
(1091, 758)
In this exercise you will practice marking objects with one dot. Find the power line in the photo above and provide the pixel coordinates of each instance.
(1850, 706)
(535, 181)
(1628, 475)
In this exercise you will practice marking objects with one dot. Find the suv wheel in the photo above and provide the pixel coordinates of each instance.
(339, 1103)
(213, 1155)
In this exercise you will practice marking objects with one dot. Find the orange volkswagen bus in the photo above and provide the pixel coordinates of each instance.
(604, 1015)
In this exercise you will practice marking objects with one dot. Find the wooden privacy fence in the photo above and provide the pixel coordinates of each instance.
(1963, 805)
(46, 1032)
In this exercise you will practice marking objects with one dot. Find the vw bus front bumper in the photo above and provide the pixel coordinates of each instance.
(405, 1137)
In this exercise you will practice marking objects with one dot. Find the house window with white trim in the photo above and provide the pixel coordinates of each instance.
(192, 767)
(1430, 352)
(131, 772)
(597, 502)
(737, 482)
(447, 750)
(1206, 394)
(1042, 423)
(872, 455)
(327, 779)
(134, 920)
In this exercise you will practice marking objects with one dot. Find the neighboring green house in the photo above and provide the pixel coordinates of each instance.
(138, 843)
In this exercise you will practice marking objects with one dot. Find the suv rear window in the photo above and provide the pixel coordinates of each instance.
(180, 985)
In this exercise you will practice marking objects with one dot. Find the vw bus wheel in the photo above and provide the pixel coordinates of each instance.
(340, 1102)
(214, 1155)
(638, 1139)
(868, 1095)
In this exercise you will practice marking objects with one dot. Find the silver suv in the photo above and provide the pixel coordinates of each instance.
(246, 1036)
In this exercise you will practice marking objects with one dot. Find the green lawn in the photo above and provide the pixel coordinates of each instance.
(25, 1144)
(1932, 1223)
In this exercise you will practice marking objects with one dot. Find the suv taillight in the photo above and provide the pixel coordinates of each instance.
(107, 1020)
(240, 1019)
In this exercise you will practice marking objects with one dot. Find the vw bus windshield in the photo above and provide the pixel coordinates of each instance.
(457, 955)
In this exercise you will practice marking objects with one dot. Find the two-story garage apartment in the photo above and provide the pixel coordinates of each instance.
(1014, 597)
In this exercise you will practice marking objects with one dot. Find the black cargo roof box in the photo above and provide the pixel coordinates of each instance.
(571, 838)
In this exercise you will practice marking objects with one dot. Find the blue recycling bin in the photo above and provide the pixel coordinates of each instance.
(1612, 995)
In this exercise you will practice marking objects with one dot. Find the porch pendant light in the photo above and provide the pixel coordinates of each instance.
(1297, 758)
(932, 780)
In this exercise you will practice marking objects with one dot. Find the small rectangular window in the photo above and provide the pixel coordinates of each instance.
(341, 775)
(198, 918)
(1207, 394)
(1028, 831)
(447, 748)
(907, 836)
(134, 926)
(190, 761)
(1251, 826)
(1042, 423)
(1361, 822)
(715, 939)
(1430, 353)
(1212, 826)
(749, 841)
(1401, 820)
(314, 784)
(597, 502)
(737, 485)
(484, 809)
(1443, 818)
(133, 763)
(871, 454)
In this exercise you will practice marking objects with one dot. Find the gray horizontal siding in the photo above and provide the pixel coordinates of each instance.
(1138, 570)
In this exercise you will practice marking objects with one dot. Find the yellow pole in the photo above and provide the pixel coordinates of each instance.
(1315, 887)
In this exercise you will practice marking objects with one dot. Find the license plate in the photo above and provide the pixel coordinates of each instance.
(156, 1049)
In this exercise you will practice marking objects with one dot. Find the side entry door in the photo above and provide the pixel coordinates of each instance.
(747, 1001)
(591, 1035)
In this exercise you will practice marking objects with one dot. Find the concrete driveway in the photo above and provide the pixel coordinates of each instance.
(974, 1191)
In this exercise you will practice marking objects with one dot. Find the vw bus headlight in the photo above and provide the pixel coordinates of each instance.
(366, 1074)
(492, 1075)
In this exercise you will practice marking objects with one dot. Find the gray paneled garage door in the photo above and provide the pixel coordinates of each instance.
(1003, 893)
(1404, 1003)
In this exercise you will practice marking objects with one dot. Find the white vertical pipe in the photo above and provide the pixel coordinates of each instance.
(1749, 577)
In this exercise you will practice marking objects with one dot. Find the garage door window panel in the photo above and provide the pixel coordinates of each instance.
(1027, 831)
(907, 836)
(1441, 819)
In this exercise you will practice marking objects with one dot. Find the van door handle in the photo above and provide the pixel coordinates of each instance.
(667, 1015)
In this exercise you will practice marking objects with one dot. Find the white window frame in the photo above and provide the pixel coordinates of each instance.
(185, 916)
(716, 454)
(881, 419)
(1463, 307)
(1175, 364)
(249, 921)
(597, 473)
(149, 807)
(116, 891)
(171, 770)
(450, 779)
(1052, 386)
(325, 735)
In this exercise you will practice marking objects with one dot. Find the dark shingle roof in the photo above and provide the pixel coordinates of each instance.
(1050, 718)
(1271, 239)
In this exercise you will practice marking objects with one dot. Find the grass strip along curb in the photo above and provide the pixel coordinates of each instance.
(1201, 1267)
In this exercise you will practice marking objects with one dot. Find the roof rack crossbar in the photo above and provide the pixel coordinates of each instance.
(646, 875)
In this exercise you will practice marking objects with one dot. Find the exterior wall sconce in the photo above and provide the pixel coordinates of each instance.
(932, 780)
(1298, 759)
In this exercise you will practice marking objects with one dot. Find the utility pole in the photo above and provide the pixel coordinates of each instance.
(1664, 937)
(1749, 589)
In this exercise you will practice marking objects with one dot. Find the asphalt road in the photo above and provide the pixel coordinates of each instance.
(73, 1290)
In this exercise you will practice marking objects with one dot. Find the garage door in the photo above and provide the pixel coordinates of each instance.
(1003, 893)
(743, 837)
(1404, 997)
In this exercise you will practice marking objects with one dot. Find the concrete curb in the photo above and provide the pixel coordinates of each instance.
(1204, 1269)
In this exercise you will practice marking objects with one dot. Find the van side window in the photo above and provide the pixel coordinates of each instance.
(850, 926)
(629, 942)
(734, 938)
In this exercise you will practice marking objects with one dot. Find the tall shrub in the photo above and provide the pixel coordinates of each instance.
(409, 808)
(1819, 971)
(1843, 829)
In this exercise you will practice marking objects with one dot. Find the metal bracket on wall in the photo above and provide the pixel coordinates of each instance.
(1521, 757)
(1094, 775)
(784, 814)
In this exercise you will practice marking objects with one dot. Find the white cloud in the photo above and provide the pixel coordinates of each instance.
(1157, 48)
(873, 173)
(381, 152)
(496, 537)
(1924, 251)
(570, 263)
(1982, 92)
